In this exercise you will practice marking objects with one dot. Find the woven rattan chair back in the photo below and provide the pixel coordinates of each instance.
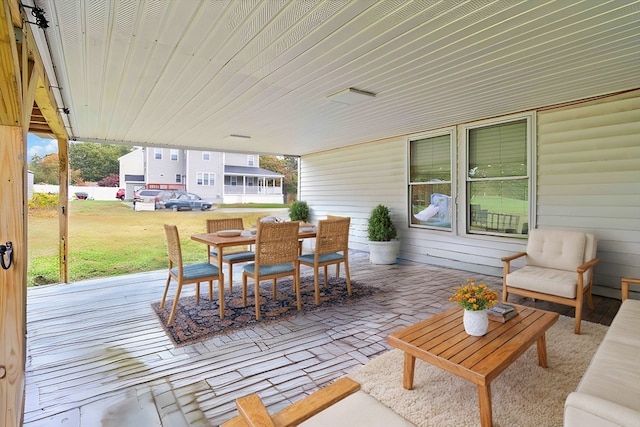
(188, 274)
(232, 254)
(333, 235)
(276, 256)
(332, 248)
(276, 243)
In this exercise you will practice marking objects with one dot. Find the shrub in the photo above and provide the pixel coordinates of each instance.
(299, 211)
(43, 201)
(381, 228)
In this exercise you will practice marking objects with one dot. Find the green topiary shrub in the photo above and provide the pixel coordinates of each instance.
(299, 211)
(380, 228)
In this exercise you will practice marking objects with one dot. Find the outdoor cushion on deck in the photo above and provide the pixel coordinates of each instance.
(194, 271)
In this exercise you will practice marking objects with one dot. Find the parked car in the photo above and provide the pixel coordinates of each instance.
(120, 194)
(147, 196)
(81, 195)
(186, 201)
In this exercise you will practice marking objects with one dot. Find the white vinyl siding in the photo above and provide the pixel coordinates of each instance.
(587, 178)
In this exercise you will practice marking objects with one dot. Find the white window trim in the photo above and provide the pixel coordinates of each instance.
(172, 152)
(531, 172)
(206, 154)
(452, 132)
(157, 151)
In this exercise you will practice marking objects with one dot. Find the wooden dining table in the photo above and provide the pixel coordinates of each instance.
(219, 243)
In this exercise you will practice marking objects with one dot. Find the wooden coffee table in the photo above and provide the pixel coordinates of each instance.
(442, 342)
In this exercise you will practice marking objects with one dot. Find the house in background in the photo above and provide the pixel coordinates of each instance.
(213, 175)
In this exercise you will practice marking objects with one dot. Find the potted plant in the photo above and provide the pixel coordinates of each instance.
(299, 211)
(383, 245)
(475, 299)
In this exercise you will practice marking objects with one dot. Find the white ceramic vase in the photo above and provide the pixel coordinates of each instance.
(476, 322)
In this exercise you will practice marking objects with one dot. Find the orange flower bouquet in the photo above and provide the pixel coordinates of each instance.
(474, 296)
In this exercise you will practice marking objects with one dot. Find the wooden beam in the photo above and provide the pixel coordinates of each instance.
(10, 84)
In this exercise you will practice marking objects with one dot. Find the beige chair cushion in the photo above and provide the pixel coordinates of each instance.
(557, 249)
(545, 280)
(357, 410)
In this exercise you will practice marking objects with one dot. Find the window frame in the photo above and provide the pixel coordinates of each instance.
(200, 179)
(157, 153)
(464, 180)
(452, 132)
(173, 152)
(206, 155)
(251, 160)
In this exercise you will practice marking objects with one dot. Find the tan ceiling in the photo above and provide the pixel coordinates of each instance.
(188, 73)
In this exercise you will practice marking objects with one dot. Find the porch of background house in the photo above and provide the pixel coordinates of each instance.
(97, 354)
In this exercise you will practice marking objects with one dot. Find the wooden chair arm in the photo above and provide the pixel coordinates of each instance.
(510, 258)
(304, 408)
(625, 286)
(253, 412)
(587, 265)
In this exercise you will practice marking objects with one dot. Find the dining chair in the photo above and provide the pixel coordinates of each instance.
(237, 254)
(276, 252)
(189, 274)
(332, 248)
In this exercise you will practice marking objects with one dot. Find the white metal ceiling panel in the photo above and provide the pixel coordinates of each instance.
(188, 73)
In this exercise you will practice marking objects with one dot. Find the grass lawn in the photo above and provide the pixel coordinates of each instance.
(108, 238)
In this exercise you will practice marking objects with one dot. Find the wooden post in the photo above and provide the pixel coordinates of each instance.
(13, 280)
(63, 209)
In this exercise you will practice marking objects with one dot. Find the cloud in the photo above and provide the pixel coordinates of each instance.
(39, 146)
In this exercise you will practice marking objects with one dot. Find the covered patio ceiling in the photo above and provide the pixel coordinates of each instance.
(191, 73)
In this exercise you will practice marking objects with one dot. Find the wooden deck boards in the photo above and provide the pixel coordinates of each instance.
(93, 346)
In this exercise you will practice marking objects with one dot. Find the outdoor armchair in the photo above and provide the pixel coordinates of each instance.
(332, 248)
(558, 267)
(276, 256)
(237, 254)
(338, 404)
(188, 274)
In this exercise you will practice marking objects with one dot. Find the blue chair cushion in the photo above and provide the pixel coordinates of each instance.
(195, 271)
(309, 258)
(236, 257)
(267, 270)
(239, 257)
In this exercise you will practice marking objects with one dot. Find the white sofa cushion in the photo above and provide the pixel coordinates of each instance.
(624, 327)
(357, 410)
(583, 410)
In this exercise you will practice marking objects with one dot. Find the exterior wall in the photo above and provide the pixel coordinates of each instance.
(131, 164)
(589, 179)
(164, 171)
(239, 159)
(195, 164)
(578, 188)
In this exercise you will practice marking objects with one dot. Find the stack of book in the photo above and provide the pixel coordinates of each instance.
(502, 312)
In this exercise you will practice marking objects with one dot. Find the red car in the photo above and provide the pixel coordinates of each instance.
(120, 194)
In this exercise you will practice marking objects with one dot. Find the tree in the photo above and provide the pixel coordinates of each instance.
(96, 161)
(287, 166)
(112, 180)
(45, 169)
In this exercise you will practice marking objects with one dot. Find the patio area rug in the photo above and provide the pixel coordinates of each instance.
(197, 322)
(525, 394)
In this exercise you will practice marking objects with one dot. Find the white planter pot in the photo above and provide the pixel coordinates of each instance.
(476, 322)
(384, 252)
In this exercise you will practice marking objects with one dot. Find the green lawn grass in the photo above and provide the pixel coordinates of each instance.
(109, 238)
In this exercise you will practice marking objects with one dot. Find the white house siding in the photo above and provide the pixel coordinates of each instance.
(352, 180)
(196, 164)
(589, 179)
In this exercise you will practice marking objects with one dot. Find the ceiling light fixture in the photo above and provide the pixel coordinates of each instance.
(351, 96)
(237, 137)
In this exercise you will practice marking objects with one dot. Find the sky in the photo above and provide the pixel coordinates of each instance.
(40, 146)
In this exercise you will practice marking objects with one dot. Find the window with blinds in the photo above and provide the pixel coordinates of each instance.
(430, 178)
(498, 179)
